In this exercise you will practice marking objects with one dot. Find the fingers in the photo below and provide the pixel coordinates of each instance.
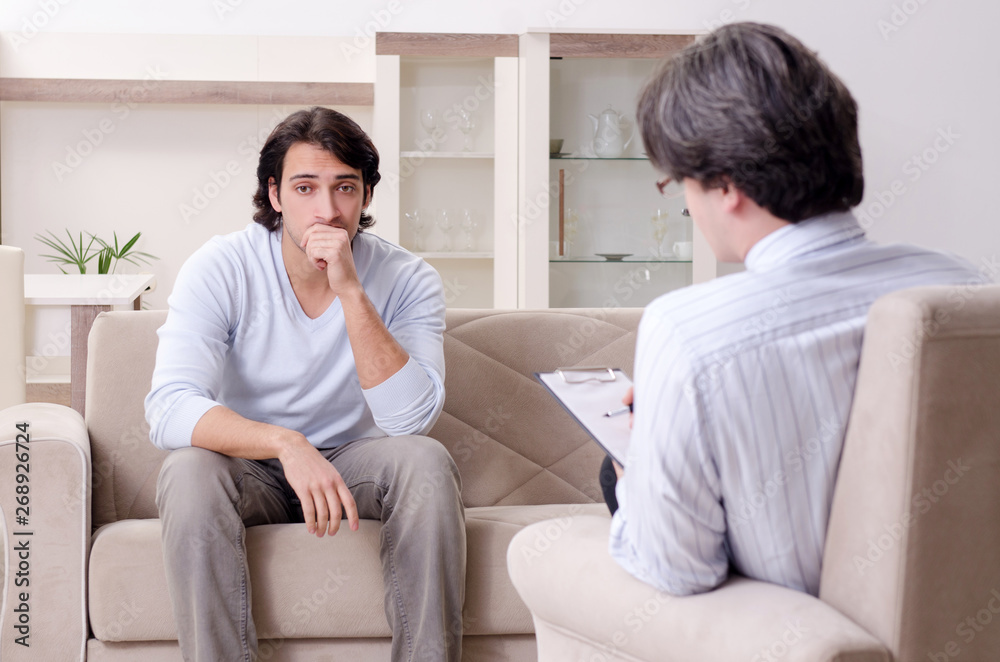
(350, 507)
(334, 504)
(308, 511)
(323, 515)
(627, 400)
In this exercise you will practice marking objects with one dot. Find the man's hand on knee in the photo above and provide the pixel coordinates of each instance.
(320, 489)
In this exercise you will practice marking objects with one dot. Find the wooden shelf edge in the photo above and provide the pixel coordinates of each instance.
(446, 44)
(455, 255)
(81, 90)
(417, 154)
(617, 45)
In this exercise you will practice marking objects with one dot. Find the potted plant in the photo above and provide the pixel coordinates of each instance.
(78, 253)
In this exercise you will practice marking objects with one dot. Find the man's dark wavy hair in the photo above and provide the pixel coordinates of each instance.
(327, 129)
(751, 105)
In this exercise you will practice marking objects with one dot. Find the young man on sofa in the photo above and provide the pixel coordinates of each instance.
(291, 349)
(743, 385)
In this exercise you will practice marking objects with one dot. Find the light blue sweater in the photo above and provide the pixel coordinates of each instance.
(236, 335)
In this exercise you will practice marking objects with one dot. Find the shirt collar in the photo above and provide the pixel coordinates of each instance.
(802, 238)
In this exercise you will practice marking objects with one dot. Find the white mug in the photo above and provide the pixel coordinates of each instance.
(683, 249)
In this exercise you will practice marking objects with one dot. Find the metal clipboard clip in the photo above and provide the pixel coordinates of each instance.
(582, 374)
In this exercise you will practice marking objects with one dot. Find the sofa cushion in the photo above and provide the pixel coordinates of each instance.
(743, 619)
(340, 597)
(512, 442)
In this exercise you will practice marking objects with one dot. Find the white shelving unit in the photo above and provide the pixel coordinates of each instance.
(429, 172)
(525, 89)
(565, 78)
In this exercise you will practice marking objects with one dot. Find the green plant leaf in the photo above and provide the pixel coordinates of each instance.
(104, 260)
(128, 245)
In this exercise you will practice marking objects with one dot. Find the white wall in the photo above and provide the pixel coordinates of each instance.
(935, 75)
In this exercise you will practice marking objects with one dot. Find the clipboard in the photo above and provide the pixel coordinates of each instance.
(587, 394)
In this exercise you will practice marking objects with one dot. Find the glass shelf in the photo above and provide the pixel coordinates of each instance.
(594, 260)
(569, 157)
(445, 155)
(462, 255)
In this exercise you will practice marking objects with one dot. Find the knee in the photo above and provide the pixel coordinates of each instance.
(189, 477)
(426, 467)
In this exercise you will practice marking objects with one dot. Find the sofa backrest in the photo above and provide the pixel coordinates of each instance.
(512, 442)
(913, 544)
(12, 340)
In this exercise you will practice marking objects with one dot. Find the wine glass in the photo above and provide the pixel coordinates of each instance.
(571, 225)
(429, 120)
(417, 222)
(467, 221)
(659, 223)
(446, 223)
(466, 124)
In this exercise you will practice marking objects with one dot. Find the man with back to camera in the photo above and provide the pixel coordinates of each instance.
(291, 349)
(743, 385)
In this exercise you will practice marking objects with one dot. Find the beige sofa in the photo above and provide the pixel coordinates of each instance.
(911, 569)
(97, 585)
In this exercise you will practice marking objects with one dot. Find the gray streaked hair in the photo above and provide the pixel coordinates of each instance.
(750, 105)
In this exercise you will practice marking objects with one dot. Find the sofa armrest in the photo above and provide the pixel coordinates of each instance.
(46, 535)
(585, 606)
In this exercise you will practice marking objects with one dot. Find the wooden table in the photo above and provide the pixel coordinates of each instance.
(87, 296)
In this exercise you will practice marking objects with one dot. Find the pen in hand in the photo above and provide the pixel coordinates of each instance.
(621, 410)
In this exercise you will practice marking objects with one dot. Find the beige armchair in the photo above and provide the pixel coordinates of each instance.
(12, 365)
(911, 569)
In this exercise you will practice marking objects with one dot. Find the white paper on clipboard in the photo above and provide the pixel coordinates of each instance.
(588, 401)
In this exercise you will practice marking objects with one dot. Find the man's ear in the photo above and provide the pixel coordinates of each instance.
(732, 197)
(272, 193)
(368, 198)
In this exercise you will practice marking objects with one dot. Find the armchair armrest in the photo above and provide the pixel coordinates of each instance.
(585, 606)
(45, 531)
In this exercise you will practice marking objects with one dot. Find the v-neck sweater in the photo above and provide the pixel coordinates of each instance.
(236, 336)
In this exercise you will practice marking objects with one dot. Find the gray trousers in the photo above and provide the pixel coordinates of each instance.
(207, 496)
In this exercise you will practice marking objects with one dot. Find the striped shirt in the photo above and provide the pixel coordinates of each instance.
(743, 388)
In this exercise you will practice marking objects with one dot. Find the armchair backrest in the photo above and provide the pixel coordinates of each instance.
(913, 544)
(512, 442)
(12, 342)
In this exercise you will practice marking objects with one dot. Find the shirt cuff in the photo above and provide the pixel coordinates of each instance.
(409, 385)
(179, 424)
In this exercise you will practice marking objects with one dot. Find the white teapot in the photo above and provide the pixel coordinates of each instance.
(609, 133)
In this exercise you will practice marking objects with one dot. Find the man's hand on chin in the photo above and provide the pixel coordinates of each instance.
(329, 248)
(319, 487)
